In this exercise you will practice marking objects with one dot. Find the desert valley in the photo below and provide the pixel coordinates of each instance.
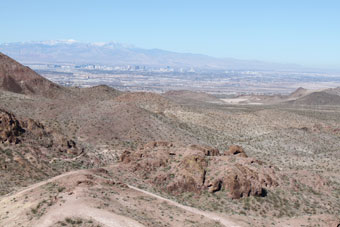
(97, 156)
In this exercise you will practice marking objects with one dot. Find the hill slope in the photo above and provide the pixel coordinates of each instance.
(318, 98)
(167, 148)
(17, 78)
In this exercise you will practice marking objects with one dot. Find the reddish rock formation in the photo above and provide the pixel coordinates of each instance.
(241, 178)
(198, 168)
(242, 182)
(190, 175)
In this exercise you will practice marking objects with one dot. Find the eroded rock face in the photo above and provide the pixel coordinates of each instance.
(199, 168)
(10, 128)
(13, 131)
(32, 151)
(191, 174)
(242, 181)
(240, 176)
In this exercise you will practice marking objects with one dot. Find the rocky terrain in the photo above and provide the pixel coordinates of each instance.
(100, 157)
(31, 152)
(197, 169)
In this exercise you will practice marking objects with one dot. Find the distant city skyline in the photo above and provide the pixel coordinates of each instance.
(299, 32)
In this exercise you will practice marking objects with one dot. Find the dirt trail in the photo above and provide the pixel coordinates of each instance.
(74, 207)
(210, 215)
(34, 186)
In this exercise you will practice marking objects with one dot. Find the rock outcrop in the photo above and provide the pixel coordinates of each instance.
(10, 128)
(191, 174)
(242, 181)
(31, 152)
(198, 168)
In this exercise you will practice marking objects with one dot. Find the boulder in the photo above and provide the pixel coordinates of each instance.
(242, 184)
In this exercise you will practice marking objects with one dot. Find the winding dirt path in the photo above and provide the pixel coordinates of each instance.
(213, 216)
(36, 185)
(74, 207)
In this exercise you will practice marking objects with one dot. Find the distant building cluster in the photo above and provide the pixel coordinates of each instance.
(121, 68)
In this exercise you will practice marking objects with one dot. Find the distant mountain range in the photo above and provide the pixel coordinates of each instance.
(74, 52)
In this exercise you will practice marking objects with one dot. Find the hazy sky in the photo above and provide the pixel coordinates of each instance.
(288, 31)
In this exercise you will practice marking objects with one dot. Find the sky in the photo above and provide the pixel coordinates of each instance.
(305, 32)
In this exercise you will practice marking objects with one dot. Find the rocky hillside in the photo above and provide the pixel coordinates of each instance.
(318, 98)
(30, 152)
(17, 78)
(299, 92)
(283, 170)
